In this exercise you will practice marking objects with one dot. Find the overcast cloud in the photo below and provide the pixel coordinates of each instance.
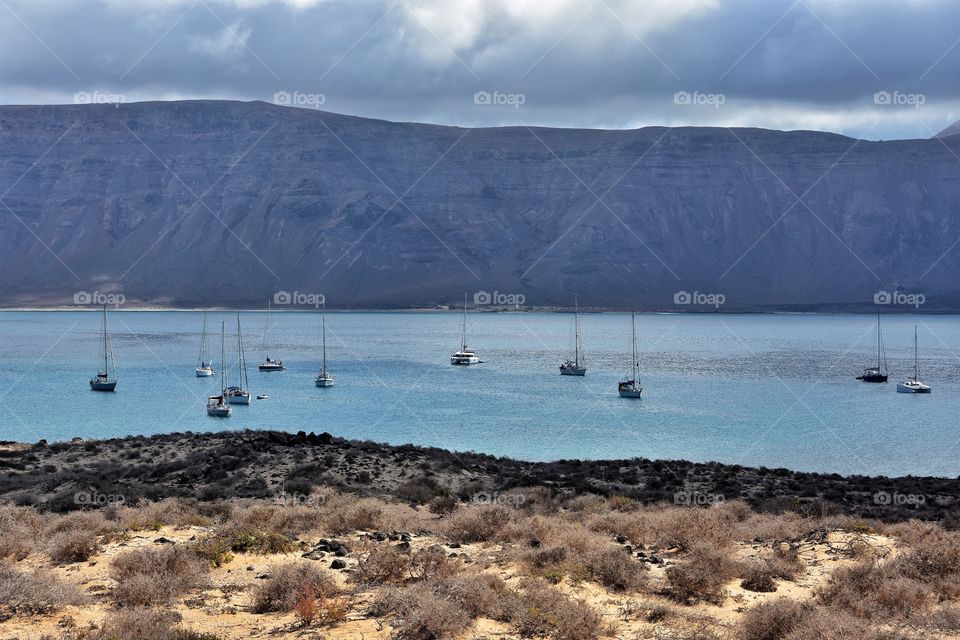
(810, 64)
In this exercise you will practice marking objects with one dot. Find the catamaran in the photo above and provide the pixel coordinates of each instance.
(631, 388)
(576, 366)
(219, 406)
(465, 355)
(240, 393)
(879, 372)
(913, 385)
(266, 362)
(204, 368)
(106, 378)
(324, 379)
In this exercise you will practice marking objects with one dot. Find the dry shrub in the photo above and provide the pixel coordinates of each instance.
(20, 531)
(150, 516)
(73, 545)
(772, 620)
(758, 577)
(240, 538)
(289, 584)
(145, 624)
(384, 564)
(543, 611)
(684, 528)
(477, 523)
(615, 569)
(933, 559)
(701, 576)
(155, 576)
(419, 612)
(945, 618)
(433, 563)
(479, 594)
(868, 590)
(826, 624)
(444, 505)
(35, 591)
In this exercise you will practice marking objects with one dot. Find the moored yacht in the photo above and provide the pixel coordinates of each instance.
(465, 355)
(240, 392)
(324, 379)
(204, 369)
(106, 378)
(914, 385)
(266, 362)
(219, 406)
(877, 373)
(575, 367)
(631, 388)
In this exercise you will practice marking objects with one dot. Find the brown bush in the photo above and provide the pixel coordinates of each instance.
(934, 560)
(701, 576)
(144, 624)
(72, 545)
(543, 611)
(147, 515)
(384, 564)
(418, 612)
(615, 569)
(35, 591)
(868, 590)
(155, 576)
(477, 523)
(20, 531)
(433, 563)
(289, 584)
(772, 620)
(826, 624)
(758, 577)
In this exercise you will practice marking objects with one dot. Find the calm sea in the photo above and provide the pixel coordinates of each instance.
(773, 390)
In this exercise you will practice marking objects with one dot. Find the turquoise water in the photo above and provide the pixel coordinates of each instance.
(774, 390)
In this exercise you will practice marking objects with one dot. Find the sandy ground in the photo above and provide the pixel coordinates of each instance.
(224, 607)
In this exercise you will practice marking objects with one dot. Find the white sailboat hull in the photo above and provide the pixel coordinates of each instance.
(204, 372)
(463, 360)
(630, 392)
(217, 408)
(912, 386)
(239, 398)
(571, 369)
(324, 381)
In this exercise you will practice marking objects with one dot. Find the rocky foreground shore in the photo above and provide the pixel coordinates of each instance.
(66, 476)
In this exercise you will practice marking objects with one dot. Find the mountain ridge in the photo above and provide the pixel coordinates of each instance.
(197, 203)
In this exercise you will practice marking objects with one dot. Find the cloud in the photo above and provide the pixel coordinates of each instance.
(611, 63)
(226, 45)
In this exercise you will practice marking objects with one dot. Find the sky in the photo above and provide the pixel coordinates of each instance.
(875, 69)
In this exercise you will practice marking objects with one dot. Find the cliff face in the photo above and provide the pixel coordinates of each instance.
(203, 203)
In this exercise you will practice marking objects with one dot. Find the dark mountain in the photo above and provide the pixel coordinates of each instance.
(209, 202)
(952, 130)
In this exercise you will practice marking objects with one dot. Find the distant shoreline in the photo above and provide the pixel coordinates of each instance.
(211, 466)
(485, 309)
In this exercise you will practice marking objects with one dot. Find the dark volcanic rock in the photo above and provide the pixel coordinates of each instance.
(302, 200)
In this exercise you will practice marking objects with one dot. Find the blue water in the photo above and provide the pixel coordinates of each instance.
(774, 390)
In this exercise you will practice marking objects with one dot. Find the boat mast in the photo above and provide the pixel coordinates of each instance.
(633, 331)
(916, 356)
(106, 371)
(266, 330)
(241, 360)
(223, 363)
(203, 342)
(576, 331)
(463, 325)
(323, 331)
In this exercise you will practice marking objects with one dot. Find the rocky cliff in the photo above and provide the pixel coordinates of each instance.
(226, 203)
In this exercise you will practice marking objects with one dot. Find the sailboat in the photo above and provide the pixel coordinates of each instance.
(204, 368)
(240, 394)
(631, 388)
(219, 406)
(465, 356)
(104, 381)
(576, 366)
(879, 372)
(324, 379)
(913, 385)
(266, 362)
